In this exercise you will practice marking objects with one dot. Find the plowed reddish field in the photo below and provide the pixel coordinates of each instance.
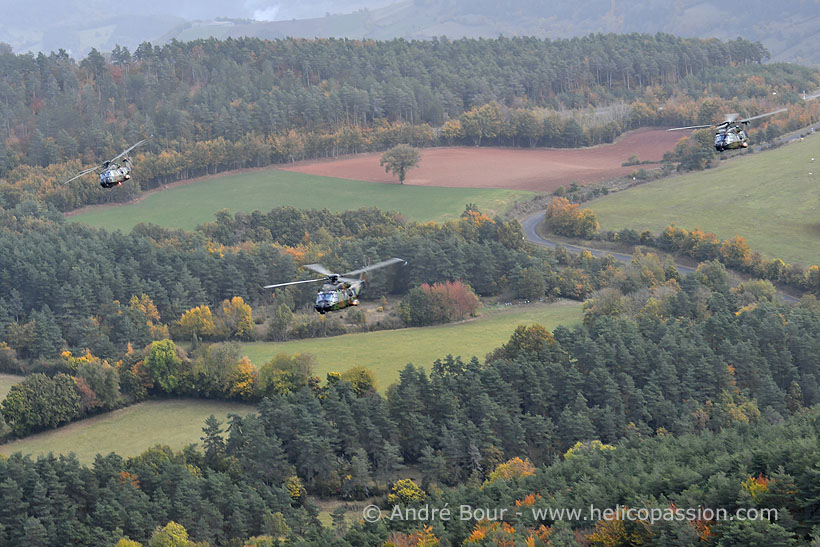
(540, 170)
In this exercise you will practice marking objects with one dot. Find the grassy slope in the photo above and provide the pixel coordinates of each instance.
(387, 352)
(769, 198)
(129, 431)
(188, 205)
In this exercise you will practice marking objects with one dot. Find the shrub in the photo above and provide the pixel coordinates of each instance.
(438, 303)
(568, 219)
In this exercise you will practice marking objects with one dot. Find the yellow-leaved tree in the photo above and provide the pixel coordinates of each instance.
(236, 319)
(244, 379)
(515, 468)
(158, 330)
(170, 535)
(196, 321)
(405, 492)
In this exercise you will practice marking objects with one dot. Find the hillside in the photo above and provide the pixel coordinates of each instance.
(789, 29)
(770, 198)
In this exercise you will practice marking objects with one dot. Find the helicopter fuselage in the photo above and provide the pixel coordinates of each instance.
(115, 174)
(338, 290)
(731, 138)
(333, 297)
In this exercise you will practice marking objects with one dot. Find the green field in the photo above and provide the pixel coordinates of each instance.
(767, 197)
(129, 431)
(188, 205)
(387, 352)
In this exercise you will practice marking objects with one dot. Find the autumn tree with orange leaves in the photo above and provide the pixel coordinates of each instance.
(438, 303)
(568, 219)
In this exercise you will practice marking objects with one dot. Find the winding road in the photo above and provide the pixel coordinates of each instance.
(531, 222)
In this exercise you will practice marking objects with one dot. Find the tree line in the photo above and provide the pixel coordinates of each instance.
(733, 253)
(565, 217)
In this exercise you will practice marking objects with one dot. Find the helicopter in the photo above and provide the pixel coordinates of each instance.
(112, 172)
(731, 133)
(338, 290)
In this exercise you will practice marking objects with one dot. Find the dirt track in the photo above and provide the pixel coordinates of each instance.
(541, 170)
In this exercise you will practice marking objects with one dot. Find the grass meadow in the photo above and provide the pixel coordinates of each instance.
(387, 352)
(770, 198)
(188, 205)
(129, 431)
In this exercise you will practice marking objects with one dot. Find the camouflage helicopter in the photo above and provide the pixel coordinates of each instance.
(338, 290)
(112, 172)
(731, 133)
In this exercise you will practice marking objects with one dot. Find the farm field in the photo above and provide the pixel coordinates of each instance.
(770, 198)
(187, 205)
(129, 431)
(535, 169)
(445, 180)
(387, 352)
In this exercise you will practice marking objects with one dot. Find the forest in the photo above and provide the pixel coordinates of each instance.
(217, 105)
(698, 401)
(93, 312)
(672, 391)
(68, 284)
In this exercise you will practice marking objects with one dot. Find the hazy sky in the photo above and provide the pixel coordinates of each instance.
(264, 10)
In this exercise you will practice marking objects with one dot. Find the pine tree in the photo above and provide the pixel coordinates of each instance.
(213, 441)
(48, 339)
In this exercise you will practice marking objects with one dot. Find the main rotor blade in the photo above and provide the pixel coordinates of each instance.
(350, 280)
(381, 264)
(292, 283)
(731, 117)
(81, 173)
(127, 150)
(318, 268)
(689, 127)
(767, 114)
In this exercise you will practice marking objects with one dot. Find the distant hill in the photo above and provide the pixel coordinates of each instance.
(76, 26)
(789, 29)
